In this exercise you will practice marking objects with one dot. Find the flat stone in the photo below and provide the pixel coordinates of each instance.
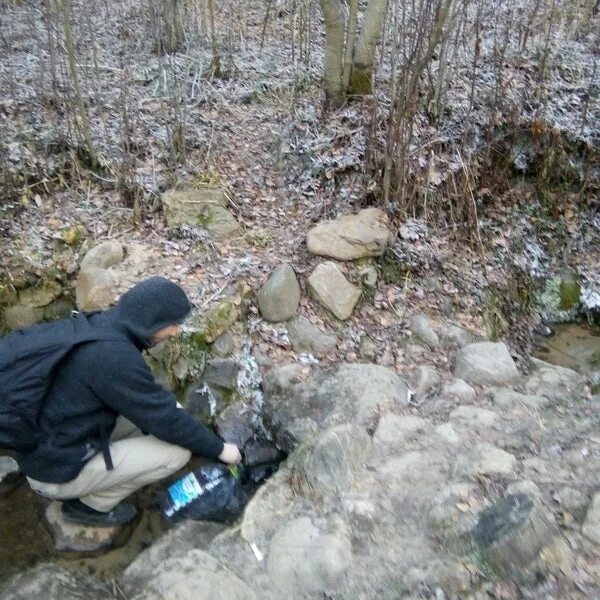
(307, 558)
(422, 329)
(368, 348)
(486, 363)
(189, 206)
(351, 236)
(19, 316)
(82, 538)
(460, 389)
(487, 460)
(591, 525)
(306, 337)
(329, 286)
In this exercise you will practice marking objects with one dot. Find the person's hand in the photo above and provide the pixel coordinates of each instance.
(230, 455)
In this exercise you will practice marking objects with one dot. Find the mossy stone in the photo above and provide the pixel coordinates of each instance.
(570, 291)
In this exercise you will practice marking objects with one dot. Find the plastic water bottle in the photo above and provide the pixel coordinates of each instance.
(192, 486)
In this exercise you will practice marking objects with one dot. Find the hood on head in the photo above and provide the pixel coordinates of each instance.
(149, 306)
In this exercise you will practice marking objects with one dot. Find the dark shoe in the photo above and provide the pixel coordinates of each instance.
(75, 511)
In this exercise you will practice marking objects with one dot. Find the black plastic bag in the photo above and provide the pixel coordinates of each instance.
(210, 493)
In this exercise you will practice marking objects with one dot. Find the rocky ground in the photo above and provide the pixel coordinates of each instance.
(424, 461)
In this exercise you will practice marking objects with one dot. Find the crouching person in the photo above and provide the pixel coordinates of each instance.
(107, 428)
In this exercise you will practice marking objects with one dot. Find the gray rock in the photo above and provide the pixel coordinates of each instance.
(509, 399)
(591, 525)
(554, 382)
(368, 348)
(368, 276)
(222, 373)
(526, 487)
(39, 296)
(474, 417)
(306, 337)
(486, 363)
(394, 430)
(350, 393)
(203, 206)
(422, 329)
(409, 470)
(455, 504)
(351, 236)
(103, 256)
(184, 537)
(272, 503)
(460, 389)
(224, 345)
(96, 289)
(329, 286)
(234, 424)
(19, 316)
(327, 466)
(73, 537)
(10, 475)
(52, 582)
(448, 433)
(309, 558)
(457, 337)
(283, 377)
(572, 501)
(61, 308)
(278, 299)
(488, 460)
(424, 380)
(199, 400)
(194, 575)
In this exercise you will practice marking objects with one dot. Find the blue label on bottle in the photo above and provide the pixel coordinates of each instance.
(184, 491)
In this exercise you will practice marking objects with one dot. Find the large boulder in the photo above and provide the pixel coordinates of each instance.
(329, 286)
(193, 575)
(351, 236)
(328, 465)
(107, 270)
(203, 206)
(486, 363)
(554, 382)
(52, 582)
(309, 557)
(278, 299)
(296, 408)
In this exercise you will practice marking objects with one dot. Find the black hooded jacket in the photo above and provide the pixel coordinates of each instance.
(101, 380)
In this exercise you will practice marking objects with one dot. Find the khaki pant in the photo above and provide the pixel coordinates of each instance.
(138, 461)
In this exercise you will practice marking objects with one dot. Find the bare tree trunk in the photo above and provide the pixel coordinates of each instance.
(335, 30)
(83, 124)
(350, 40)
(361, 80)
